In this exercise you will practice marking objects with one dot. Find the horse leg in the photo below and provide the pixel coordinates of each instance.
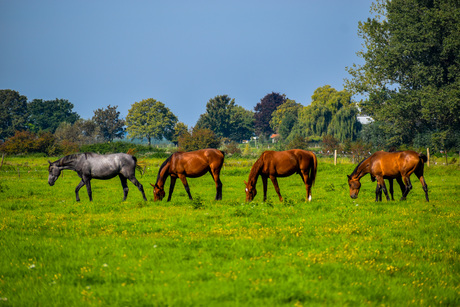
(139, 186)
(408, 187)
(124, 184)
(378, 193)
(171, 187)
(215, 176)
(82, 183)
(277, 188)
(381, 182)
(88, 189)
(401, 185)
(265, 185)
(420, 177)
(390, 181)
(185, 183)
(304, 177)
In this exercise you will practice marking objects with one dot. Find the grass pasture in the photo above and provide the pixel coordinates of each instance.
(331, 251)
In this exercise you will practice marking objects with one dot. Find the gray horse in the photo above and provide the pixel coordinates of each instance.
(91, 165)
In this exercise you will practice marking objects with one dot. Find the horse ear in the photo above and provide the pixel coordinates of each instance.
(349, 177)
(49, 162)
(152, 185)
(245, 182)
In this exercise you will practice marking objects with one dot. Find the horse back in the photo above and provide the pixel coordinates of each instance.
(196, 163)
(286, 163)
(394, 164)
(107, 166)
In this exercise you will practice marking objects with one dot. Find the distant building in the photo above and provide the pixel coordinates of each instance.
(274, 137)
(364, 119)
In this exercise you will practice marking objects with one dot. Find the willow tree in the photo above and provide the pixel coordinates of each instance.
(330, 112)
(150, 119)
(344, 124)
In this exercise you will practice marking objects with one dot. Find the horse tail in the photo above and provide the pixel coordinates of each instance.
(138, 166)
(313, 170)
(423, 157)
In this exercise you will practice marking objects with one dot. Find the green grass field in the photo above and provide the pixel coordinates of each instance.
(331, 251)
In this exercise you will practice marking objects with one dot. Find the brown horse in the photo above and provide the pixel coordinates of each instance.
(189, 164)
(272, 164)
(389, 165)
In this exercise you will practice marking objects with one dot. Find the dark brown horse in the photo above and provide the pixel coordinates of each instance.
(189, 164)
(389, 165)
(272, 164)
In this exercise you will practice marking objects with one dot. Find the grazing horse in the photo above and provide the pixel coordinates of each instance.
(272, 164)
(389, 165)
(189, 164)
(91, 165)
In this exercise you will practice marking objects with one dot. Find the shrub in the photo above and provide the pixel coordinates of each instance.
(199, 139)
(22, 142)
(299, 142)
(232, 149)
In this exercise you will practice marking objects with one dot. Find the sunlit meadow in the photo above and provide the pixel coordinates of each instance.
(334, 250)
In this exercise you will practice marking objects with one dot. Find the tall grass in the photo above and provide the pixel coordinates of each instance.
(333, 250)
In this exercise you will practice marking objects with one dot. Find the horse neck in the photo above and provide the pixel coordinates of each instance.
(163, 174)
(362, 169)
(255, 172)
(67, 164)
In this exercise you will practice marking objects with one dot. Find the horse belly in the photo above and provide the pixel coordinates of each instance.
(194, 173)
(104, 171)
(280, 171)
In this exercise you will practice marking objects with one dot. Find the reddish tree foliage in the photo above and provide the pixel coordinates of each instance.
(263, 112)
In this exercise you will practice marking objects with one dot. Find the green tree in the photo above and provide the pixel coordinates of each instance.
(150, 119)
(242, 123)
(290, 107)
(217, 116)
(13, 113)
(109, 122)
(263, 113)
(287, 123)
(226, 119)
(331, 98)
(180, 129)
(48, 114)
(411, 74)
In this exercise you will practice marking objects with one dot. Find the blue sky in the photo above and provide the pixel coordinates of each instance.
(182, 53)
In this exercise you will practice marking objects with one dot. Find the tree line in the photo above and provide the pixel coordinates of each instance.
(52, 126)
(409, 86)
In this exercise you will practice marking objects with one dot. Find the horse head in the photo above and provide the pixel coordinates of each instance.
(355, 185)
(54, 172)
(158, 192)
(251, 191)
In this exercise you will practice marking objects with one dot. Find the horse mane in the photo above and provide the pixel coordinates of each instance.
(256, 168)
(162, 166)
(71, 158)
(355, 171)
